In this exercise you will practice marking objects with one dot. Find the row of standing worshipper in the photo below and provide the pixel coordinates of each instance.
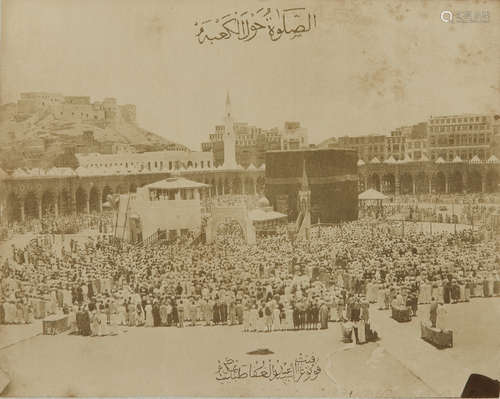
(270, 316)
(277, 316)
(16, 311)
(20, 304)
(448, 290)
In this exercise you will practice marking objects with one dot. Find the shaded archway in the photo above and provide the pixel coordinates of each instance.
(474, 181)
(13, 208)
(227, 186)
(81, 200)
(455, 183)
(374, 182)
(31, 205)
(261, 185)
(229, 227)
(406, 184)
(389, 183)
(48, 203)
(492, 182)
(106, 191)
(133, 188)
(237, 186)
(422, 183)
(438, 183)
(94, 199)
(361, 184)
(212, 187)
(64, 203)
(249, 186)
(237, 218)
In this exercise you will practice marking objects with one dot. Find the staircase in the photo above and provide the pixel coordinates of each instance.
(157, 237)
(200, 238)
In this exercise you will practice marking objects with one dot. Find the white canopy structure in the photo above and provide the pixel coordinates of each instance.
(440, 160)
(175, 183)
(475, 159)
(457, 159)
(372, 195)
(424, 158)
(360, 162)
(375, 160)
(390, 160)
(492, 159)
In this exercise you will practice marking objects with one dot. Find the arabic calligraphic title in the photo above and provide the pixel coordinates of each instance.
(245, 26)
(301, 369)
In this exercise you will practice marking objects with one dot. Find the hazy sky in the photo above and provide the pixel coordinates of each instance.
(368, 67)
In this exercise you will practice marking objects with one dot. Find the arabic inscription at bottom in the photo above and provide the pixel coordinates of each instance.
(303, 368)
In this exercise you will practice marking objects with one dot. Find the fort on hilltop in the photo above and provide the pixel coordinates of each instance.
(74, 108)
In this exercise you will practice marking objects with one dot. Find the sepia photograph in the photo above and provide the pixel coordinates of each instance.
(259, 198)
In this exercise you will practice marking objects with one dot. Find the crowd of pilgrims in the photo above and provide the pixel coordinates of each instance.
(61, 224)
(273, 285)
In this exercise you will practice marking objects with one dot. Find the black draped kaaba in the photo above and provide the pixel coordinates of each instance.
(332, 178)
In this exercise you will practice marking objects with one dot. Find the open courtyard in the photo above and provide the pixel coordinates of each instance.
(175, 361)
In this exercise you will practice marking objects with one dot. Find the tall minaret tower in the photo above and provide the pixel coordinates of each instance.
(229, 138)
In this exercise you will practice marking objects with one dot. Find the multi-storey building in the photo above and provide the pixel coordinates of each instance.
(395, 143)
(448, 137)
(465, 136)
(368, 147)
(407, 142)
(293, 136)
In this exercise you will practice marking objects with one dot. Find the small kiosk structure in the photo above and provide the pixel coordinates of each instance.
(371, 200)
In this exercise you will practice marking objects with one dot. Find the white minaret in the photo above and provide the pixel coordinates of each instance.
(229, 138)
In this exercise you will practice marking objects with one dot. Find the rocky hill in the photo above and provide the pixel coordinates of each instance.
(24, 135)
(14, 127)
